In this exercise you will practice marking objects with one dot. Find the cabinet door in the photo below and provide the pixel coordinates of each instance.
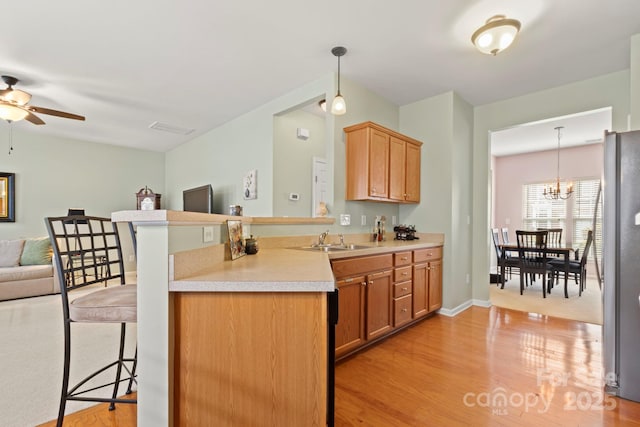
(350, 327)
(379, 304)
(412, 167)
(420, 290)
(435, 285)
(379, 164)
(397, 173)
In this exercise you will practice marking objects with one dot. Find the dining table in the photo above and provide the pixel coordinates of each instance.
(561, 250)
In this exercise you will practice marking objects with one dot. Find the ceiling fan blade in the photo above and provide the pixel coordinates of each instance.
(51, 112)
(34, 119)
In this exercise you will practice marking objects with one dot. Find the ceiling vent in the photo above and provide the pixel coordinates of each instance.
(170, 128)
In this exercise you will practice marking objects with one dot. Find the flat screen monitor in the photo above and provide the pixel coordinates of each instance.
(199, 199)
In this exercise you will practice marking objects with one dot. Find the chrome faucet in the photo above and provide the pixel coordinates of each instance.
(341, 239)
(322, 237)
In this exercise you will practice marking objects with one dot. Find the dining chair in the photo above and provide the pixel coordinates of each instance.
(577, 268)
(95, 242)
(507, 260)
(554, 236)
(532, 257)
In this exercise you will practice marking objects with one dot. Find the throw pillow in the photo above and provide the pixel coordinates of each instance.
(10, 251)
(36, 252)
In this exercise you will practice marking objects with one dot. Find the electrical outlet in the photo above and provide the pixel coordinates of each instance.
(363, 220)
(345, 219)
(207, 234)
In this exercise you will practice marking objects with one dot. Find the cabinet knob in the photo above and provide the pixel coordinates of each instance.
(370, 282)
(405, 289)
(364, 283)
(404, 310)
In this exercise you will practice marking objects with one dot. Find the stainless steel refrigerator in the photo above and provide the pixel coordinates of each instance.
(621, 264)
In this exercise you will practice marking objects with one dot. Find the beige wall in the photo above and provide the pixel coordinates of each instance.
(293, 161)
(54, 174)
(444, 123)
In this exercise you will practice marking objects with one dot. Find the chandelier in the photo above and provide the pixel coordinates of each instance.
(553, 191)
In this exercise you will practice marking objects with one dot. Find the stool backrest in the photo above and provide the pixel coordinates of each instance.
(86, 250)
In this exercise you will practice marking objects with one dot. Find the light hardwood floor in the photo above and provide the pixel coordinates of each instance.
(484, 367)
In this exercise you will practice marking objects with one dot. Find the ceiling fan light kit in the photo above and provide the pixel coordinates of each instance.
(338, 106)
(497, 34)
(14, 105)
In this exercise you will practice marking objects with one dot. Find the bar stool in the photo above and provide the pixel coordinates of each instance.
(95, 244)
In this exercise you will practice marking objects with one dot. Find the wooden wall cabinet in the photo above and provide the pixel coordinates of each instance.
(381, 294)
(381, 164)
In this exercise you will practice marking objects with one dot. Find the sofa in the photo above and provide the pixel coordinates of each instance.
(26, 269)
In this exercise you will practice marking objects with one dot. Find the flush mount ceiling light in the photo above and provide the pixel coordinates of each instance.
(338, 106)
(496, 35)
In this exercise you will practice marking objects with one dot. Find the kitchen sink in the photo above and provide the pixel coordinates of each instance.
(333, 247)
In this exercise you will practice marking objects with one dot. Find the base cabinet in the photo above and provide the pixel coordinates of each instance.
(350, 330)
(379, 309)
(381, 294)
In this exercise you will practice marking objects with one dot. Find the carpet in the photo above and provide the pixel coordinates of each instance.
(32, 353)
(586, 308)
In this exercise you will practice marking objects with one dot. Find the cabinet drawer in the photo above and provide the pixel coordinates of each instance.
(352, 266)
(400, 274)
(402, 310)
(402, 258)
(401, 289)
(428, 254)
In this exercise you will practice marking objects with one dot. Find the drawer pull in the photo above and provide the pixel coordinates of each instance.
(404, 258)
(404, 310)
(364, 283)
(404, 273)
(429, 254)
(370, 282)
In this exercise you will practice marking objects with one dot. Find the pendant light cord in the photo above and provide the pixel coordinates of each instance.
(10, 136)
(338, 76)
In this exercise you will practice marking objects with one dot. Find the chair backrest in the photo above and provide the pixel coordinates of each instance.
(505, 235)
(86, 250)
(496, 243)
(554, 236)
(531, 248)
(587, 246)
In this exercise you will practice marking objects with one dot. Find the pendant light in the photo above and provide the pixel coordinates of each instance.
(552, 191)
(496, 34)
(338, 106)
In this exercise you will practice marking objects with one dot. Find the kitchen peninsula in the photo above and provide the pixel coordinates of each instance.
(221, 341)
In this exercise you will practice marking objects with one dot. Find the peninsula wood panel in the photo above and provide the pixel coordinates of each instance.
(250, 359)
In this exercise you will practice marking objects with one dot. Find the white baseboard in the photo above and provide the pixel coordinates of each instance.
(451, 312)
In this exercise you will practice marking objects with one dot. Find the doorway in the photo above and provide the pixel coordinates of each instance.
(524, 160)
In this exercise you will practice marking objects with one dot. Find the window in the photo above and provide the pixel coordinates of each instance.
(574, 215)
(584, 204)
(540, 212)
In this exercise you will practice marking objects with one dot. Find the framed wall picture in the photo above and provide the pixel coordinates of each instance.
(250, 185)
(236, 242)
(7, 197)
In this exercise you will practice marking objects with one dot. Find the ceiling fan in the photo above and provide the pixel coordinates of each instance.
(14, 105)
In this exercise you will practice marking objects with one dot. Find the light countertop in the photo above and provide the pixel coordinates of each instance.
(282, 269)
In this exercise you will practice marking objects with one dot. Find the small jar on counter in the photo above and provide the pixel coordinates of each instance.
(251, 245)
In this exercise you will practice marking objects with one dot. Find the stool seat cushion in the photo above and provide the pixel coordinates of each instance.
(113, 304)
